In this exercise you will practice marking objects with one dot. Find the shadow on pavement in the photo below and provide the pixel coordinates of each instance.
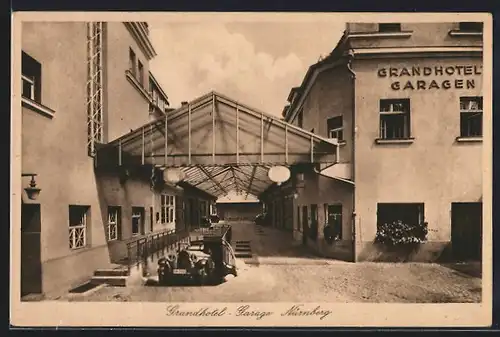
(152, 282)
(472, 269)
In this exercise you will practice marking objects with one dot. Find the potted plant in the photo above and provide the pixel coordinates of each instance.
(401, 236)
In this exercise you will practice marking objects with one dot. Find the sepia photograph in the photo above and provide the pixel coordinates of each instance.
(251, 169)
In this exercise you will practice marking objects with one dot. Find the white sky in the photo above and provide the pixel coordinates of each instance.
(256, 63)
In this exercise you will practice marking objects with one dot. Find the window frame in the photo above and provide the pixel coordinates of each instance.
(78, 233)
(137, 212)
(468, 111)
(167, 209)
(405, 127)
(116, 223)
(31, 71)
(337, 130)
(140, 72)
(420, 208)
(132, 59)
(389, 27)
(470, 27)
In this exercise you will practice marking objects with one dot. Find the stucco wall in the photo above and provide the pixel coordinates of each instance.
(56, 150)
(322, 190)
(422, 34)
(330, 96)
(126, 107)
(435, 169)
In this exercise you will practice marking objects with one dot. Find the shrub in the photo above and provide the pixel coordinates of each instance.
(398, 233)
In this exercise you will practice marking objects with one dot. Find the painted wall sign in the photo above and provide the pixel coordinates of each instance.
(459, 72)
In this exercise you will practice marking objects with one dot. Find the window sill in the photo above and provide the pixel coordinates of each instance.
(469, 139)
(394, 141)
(37, 107)
(464, 33)
(402, 34)
(137, 85)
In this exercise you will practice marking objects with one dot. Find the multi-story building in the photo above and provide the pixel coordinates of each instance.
(404, 100)
(83, 85)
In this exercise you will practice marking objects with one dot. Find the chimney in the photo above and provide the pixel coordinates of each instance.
(184, 103)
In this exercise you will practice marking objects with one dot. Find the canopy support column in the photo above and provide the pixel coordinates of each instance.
(237, 135)
(166, 140)
(286, 143)
(143, 147)
(189, 134)
(262, 138)
(120, 153)
(213, 129)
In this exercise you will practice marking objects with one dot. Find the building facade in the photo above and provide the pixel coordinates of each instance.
(404, 100)
(83, 85)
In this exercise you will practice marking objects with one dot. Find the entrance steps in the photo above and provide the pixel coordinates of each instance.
(243, 250)
(114, 277)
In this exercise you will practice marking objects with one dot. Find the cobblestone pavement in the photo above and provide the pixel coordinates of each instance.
(282, 271)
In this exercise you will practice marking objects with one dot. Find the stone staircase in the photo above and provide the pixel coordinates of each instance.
(116, 277)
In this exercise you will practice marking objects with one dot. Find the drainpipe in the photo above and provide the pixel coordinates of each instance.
(350, 57)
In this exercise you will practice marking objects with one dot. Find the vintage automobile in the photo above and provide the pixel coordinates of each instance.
(205, 262)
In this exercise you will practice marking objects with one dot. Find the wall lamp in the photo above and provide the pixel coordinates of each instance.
(32, 191)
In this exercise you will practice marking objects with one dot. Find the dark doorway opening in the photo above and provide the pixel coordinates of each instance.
(466, 230)
(313, 232)
(305, 225)
(138, 221)
(31, 263)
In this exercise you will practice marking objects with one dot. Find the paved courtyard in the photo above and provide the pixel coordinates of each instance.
(281, 271)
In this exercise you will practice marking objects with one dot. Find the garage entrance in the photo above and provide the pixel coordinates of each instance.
(466, 230)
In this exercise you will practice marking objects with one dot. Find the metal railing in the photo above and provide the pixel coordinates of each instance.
(141, 249)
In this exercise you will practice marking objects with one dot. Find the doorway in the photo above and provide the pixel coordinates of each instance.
(314, 222)
(305, 225)
(138, 221)
(31, 262)
(466, 230)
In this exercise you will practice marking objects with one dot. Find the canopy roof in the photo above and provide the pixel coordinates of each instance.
(221, 145)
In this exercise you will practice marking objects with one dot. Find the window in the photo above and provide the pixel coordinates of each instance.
(151, 87)
(471, 26)
(167, 209)
(334, 218)
(335, 127)
(137, 220)
(394, 118)
(78, 226)
(389, 27)
(141, 73)
(471, 116)
(31, 74)
(114, 220)
(408, 213)
(300, 118)
(131, 64)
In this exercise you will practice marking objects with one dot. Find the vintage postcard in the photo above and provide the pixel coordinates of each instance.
(251, 169)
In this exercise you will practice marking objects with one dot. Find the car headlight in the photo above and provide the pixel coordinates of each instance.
(194, 257)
